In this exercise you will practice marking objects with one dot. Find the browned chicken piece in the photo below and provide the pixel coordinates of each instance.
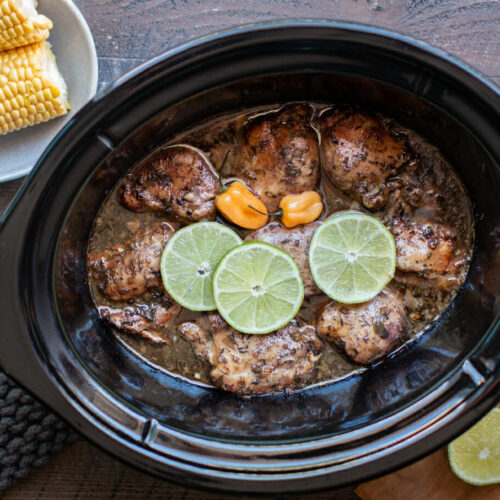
(254, 364)
(364, 332)
(124, 272)
(279, 155)
(423, 247)
(176, 180)
(358, 154)
(151, 320)
(295, 241)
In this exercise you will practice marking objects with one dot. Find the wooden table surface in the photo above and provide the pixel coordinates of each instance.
(127, 32)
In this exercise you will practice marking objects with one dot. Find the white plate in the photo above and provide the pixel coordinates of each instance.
(74, 49)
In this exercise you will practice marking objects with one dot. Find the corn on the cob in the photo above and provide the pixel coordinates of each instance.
(20, 24)
(31, 88)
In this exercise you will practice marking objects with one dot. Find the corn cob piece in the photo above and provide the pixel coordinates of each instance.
(20, 24)
(31, 88)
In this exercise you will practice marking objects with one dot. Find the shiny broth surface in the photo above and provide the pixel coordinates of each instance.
(426, 187)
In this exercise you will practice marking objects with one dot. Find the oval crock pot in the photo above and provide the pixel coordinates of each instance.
(53, 343)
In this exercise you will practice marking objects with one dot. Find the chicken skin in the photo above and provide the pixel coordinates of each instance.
(279, 155)
(151, 320)
(294, 241)
(364, 332)
(254, 364)
(423, 247)
(358, 155)
(124, 272)
(175, 180)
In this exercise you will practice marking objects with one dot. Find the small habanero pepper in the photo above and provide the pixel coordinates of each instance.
(235, 202)
(300, 208)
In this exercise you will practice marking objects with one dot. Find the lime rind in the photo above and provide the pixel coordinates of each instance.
(475, 456)
(375, 262)
(258, 264)
(198, 247)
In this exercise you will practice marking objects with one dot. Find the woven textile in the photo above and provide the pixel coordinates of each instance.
(29, 432)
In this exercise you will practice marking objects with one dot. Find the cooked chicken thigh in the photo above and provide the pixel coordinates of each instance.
(279, 155)
(365, 332)
(177, 180)
(151, 319)
(294, 241)
(254, 364)
(423, 247)
(124, 272)
(358, 154)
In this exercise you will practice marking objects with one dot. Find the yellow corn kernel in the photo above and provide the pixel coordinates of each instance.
(54, 90)
(26, 99)
(20, 24)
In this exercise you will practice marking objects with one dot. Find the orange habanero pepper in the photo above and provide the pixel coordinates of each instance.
(300, 208)
(239, 205)
(235, 205)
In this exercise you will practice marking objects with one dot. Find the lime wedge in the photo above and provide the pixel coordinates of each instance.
(189, 260)
(475, 456)
(258, 288)
(352, 257)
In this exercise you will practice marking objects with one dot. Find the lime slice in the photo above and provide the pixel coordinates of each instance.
(258, 288)
(475, 456)
(352, 257)
(189, 260)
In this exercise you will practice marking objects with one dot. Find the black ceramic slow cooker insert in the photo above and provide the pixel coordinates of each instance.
(53, 342)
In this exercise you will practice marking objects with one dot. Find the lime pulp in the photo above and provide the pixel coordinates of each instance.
(475, 456)
(352, 257)
(257, 288)
(189, 259)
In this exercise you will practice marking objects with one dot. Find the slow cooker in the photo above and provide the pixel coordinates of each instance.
(54, 344)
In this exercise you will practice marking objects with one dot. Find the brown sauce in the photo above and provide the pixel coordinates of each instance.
(442, 199)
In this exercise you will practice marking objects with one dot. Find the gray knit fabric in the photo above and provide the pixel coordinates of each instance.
(29, 432)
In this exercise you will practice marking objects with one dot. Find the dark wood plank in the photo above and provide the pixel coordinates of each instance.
(128, 32)
(7, 192)
(141, 29)
(82, 471)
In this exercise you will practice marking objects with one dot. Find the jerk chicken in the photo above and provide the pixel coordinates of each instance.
(254, 364)
(176, 180)
(423, 247)
(128, 272)
(351, 158)
(359, 154)
(279, 155)
(152, 318)
(365, 332)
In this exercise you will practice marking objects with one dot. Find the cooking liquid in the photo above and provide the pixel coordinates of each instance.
(441, 198)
